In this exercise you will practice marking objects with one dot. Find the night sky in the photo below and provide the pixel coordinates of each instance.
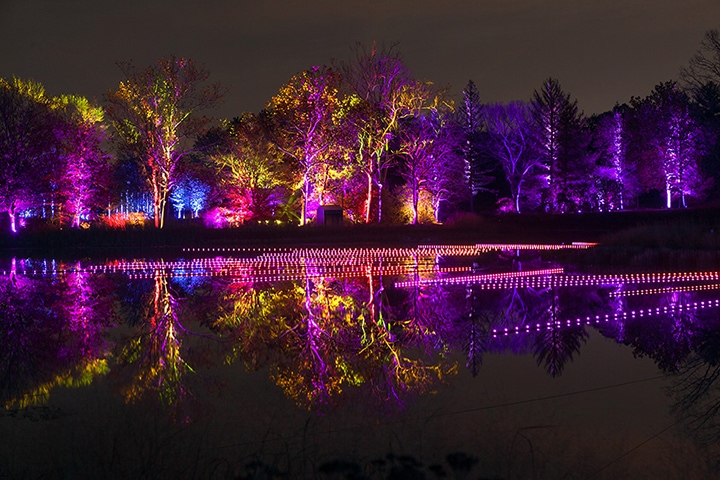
(602, 51)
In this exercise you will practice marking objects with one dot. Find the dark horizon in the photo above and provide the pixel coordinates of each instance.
(602, 54)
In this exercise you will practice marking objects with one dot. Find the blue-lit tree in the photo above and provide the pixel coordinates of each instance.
(191, 194)
(510, 142)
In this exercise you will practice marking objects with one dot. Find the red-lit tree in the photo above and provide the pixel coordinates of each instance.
(155, 111)
(251, 178)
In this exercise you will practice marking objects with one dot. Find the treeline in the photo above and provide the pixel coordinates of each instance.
(363, 134)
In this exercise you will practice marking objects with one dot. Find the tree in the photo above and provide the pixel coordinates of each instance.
(704, 66)
(251, 177)
(430, 164)
(85, 177)
(509, 141)
(387, 93)
(306, 113)
(471, 121)
(155, 112)
(28, 145)
(673, 136)
(615, 174)
(560, 142)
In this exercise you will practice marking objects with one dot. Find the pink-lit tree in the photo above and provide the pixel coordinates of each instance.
(559, 141)
(155, 112)
(28, 145)
(85, 176)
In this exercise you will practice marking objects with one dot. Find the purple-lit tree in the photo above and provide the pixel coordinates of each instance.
(615, 175)
(560, 142)
(471, 122)
(387, 92)
(509, 141)
(84, 179)
(430, 165)
(155, 111)
(672, 134)
(28, 145)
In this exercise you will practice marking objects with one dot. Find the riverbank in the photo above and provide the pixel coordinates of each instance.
(660, 229)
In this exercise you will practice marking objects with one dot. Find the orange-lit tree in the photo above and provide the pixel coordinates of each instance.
(155, 111)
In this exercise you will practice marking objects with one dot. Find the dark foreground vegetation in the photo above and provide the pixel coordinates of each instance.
(691, 231)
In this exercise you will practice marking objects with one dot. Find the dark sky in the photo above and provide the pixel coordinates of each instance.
(602, 51)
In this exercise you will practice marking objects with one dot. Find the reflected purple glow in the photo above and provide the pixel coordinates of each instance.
(330, 324)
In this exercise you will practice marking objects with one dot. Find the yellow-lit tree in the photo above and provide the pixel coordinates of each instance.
(155, 112)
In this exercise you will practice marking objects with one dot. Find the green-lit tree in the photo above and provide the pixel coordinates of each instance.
(155, 112)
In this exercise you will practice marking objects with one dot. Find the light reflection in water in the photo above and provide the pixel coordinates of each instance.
(332, 327)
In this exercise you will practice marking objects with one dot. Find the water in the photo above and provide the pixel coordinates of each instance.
(495, 362)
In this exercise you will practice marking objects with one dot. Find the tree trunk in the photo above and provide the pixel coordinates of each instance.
(368, 202)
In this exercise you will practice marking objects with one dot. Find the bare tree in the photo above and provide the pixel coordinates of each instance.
(704, 66)
(509, 128)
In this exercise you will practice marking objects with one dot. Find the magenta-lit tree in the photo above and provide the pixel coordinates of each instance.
(84, 179)
(155, 112)
(471, 122)
(429, 163)
(672, 136)
(28, 145)
(615, 175)
(509, 141)
(560, 141)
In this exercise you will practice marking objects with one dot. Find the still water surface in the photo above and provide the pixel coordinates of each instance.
(490, 361)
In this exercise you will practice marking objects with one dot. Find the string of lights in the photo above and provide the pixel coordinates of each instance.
(610, 317)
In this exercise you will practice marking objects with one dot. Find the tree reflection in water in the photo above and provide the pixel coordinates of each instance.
(331, 330)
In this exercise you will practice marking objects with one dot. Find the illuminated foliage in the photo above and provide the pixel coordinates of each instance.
(28, 146)
(387, 93)
(155, 111)
(427, 145)
(616, 175)
(470, 115)
(672, 136)
(83, 181)
(560, 143)
(252, 179)
(306, 114)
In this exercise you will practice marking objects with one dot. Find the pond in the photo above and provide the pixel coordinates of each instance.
(492, 361)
